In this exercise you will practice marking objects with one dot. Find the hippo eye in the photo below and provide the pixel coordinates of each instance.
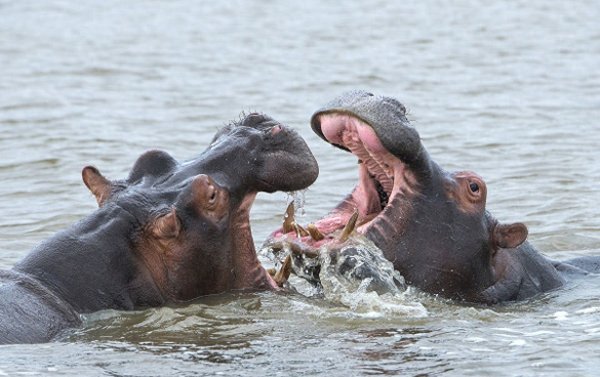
(474, 187)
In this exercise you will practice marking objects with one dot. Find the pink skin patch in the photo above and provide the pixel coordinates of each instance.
(382, 176)
(275, 130)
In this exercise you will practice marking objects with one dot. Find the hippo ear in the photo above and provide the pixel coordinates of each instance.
(167, 226)
(98, 185)
(153, 163)
(509, 236)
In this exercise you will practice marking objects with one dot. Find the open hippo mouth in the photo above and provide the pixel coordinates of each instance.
(385, 181)
(391, 162)
(432, 225)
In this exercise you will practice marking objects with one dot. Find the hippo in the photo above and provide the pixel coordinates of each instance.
(430, 223)
(168, 233)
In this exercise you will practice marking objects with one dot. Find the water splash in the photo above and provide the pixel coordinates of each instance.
(299, 199)
(355, 275)
(359, 277)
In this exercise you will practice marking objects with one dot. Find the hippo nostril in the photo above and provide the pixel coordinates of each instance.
(213, 193)
(276, 129)
(474, 187)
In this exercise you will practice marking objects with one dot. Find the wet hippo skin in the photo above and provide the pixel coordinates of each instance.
(168, 233)
(430, 223)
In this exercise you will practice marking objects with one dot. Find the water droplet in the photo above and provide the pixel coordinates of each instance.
(299, 199)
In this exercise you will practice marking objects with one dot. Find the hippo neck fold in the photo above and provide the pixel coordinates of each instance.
(107, 273)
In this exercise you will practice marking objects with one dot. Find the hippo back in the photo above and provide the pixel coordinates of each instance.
(526, 273)
(29, 312)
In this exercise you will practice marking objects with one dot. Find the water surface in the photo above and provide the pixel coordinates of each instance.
(509, 90)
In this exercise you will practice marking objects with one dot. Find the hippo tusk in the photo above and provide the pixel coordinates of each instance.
(300, 231)
(282, 276)
(349, 228)
(314, 232)
(289, 219)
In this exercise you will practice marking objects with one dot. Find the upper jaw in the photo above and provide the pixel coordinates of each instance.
(258, 153)
(288, 164)
(392, 160)
(385, 115)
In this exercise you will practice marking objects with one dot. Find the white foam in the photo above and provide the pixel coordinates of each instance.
(359, 295)
(593, 309)
(560, 316)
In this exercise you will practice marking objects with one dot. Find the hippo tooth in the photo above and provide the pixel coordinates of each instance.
(314, 232)
(300, 231)
(349, 228)
(288, 219)
(284, 272)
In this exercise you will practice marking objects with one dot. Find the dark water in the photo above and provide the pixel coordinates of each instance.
(510, 90)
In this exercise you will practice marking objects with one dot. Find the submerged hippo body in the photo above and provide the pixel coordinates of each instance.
(168, 233)
(430, 223)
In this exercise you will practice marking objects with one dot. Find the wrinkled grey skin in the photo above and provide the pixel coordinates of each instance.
(110, 259)
(435, 245)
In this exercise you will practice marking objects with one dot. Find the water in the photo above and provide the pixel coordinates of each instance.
(509, 90)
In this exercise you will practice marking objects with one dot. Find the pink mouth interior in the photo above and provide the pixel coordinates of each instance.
(382, 176)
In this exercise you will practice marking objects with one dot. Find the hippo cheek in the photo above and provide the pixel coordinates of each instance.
(218, 241)
(189, 249)
(175, 249)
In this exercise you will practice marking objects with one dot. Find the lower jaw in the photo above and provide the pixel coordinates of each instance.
(367, 203)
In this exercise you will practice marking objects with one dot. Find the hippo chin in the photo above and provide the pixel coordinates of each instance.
(168, 233)
(430, 223)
